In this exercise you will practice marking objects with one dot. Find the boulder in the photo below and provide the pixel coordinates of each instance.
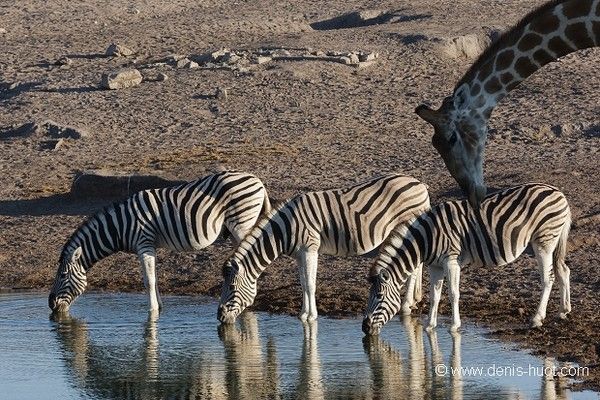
(121, 79)
(117, 50)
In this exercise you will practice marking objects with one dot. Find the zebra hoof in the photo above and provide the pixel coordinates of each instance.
(563, 315)
(536, 323)
(405, 310)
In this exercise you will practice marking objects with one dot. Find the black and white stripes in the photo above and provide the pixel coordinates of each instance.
(182, 218)
(453, 234)
(339, 222)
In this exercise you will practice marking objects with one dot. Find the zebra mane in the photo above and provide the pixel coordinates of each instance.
(504, 39)
(66, 250)
(263, 220)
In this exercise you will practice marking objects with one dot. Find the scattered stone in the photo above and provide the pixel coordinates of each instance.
(364, 57)
(121, 79)
(521, 311)
(365, 64)
(64, 61)
(2, 31)
(161, 77)
(14, 85)
(221, 94)
(263, 59)
(353, 58)
(217, 55)
(111, 184)
(173, 58)
(186, 63)
(117, 50)
(471, 45)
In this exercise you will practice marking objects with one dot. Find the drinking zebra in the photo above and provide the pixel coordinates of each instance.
(181, 218)
(454, 234)
(341, 222)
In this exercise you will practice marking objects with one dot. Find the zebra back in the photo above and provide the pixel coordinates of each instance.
(495, 234)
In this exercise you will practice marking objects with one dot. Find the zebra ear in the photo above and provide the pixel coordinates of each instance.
(76, 254)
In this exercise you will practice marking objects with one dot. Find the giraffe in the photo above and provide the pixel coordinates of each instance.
(554, 30)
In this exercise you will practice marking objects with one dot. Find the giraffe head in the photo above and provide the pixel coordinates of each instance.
(460, 131)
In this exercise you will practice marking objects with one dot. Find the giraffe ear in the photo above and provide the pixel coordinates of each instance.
(76, 254)
(432, 116)
(461, 97)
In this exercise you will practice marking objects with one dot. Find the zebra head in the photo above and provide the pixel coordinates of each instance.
(238, 292)
(384, 300)
(70, 281)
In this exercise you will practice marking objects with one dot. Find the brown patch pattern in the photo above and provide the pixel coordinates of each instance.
(493, 85)
(486, 70)
(543, 57)
(596, 29)
(504, 59)
(525, 67)
(576, 8)
(506, 78)
(577, 34)
(529, 41)
(545, 24)
(475, 89)
(559, 47)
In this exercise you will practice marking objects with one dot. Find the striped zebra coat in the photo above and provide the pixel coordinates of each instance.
(453, 234)
(341, 222)
(188, 217)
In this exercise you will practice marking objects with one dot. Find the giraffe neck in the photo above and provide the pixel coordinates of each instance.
(552, 31)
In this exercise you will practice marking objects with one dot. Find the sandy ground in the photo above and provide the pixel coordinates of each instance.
(298, 125)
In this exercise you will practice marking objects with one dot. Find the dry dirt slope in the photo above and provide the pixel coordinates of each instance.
(298, 125)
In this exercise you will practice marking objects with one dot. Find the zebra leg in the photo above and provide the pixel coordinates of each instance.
(148, 261)
(414, 291)
(409, 297)
(436, 274)
(562, 273)
(453, 272)
(544, 259)
(303, 282)
(312, 261)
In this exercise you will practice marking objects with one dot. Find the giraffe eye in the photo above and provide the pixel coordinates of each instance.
(452, 139)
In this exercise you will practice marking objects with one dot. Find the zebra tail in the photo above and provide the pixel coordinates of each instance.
(560, 252)
(266, 207)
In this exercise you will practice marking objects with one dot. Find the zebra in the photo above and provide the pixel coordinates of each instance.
(340, 222)
(452, 234)
(187, 217)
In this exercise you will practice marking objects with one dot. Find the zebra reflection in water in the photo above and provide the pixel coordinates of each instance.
(114, 372)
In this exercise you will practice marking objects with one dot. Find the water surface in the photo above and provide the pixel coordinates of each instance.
(110, 348)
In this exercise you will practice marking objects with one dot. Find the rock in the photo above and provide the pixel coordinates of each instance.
(121, 79)
(353, 58)
(186, 63)
(64, 61)
(263, 59)
(2, 31)
(365, 64)
(174, 58)
(161, 77)
(217, 55)
(363, 57)
(469, 46)
(111, 184)
(221, 94)
(117, 50)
